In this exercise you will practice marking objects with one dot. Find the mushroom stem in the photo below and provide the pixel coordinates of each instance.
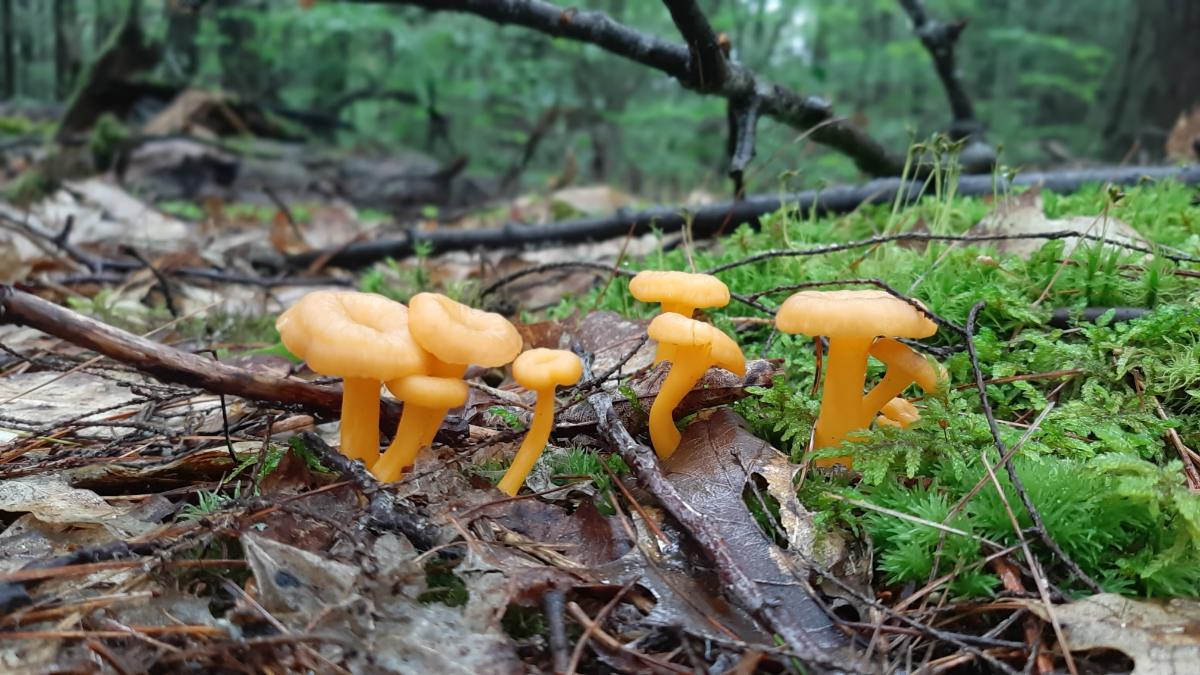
(687, 367)
(452, 371)
(842, 396)
(360, 419)
(404, 446)
(894, 381)
(533, 445)
(679, 308)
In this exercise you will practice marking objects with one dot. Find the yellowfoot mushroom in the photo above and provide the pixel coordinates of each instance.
(695, 346)
(898, 413)
(361, 337)
(851, 319)
(424, 397)
(679, 293)
(454, 337)
(904, 367)
(539, 370)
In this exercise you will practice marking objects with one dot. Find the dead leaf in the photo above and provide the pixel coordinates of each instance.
(54, 398)
(50, 499)
(1184, 137)
(1024, 214)
(716, 459)
(1162, 638)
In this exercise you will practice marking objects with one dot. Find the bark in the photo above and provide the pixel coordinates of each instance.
(715, 218)
(808, 113)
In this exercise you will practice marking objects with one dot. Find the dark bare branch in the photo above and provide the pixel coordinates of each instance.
(708, 64)
(743, 123)
(939, 39)
(173, 365)
(807, 113)
(708, 220)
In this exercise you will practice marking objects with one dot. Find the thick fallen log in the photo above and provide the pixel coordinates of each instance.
(723, 217)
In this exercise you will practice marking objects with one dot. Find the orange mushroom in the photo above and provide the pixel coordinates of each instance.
(898, 413)
(851, 319)
(361, 337)
(540, 370)
(454, 336)
(424, 398)
(679, 293)
(695, 346)
(904, 367)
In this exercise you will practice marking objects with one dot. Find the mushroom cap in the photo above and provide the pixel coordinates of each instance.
(926, 373)
(349, 334)
(429, 392)
(852, 313)
(458, 334)
(679, 330)
(697, 290)
(902, 411)
(541, 369)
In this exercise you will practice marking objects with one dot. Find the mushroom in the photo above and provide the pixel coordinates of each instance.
(898, 413)
(679, 293)
(425, 399)
(694, 347)
(454, 336)
(904, 367)
(851, 319)
(540, 370)
(362, 337)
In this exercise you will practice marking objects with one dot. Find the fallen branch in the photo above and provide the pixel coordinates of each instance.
(939, 39)
(714, 218)
(172, 365)
(744, 590)
(807, 113)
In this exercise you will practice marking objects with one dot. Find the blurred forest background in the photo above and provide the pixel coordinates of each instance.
(1056, 82)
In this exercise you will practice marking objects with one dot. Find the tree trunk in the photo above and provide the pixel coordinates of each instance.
(1156, 78)
(66, 53)
(8, 58)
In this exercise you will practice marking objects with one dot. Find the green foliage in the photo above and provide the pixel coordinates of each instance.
(1111, 492)
(106, 140)
(580, 462)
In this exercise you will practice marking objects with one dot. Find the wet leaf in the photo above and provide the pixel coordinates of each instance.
(716, 460)
(50, 499)
(1024, 214)
(1162, 638)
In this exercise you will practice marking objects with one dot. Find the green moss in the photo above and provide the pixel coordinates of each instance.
(1111, 491)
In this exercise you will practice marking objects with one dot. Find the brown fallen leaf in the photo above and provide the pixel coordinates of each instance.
(716, 460)
(1162, 638)
(1024, 214)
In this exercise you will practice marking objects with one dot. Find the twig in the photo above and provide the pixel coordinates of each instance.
(1030, 508)
(743, 123)
(779, 102)
(382, 506)
(939, 39)
(172, 365)
(711, 219)
(708, 66)
(163, 284)
(553, 605)
(775, 617)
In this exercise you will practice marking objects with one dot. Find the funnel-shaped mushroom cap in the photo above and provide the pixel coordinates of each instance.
(921, 370)
(670, 287)
(458, 334)
(861, 313)
(902, 411)
(350, 334)
(681, 331)
(542, 369)
(429, 392)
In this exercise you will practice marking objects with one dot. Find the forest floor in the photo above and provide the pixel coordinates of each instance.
(1043, 515)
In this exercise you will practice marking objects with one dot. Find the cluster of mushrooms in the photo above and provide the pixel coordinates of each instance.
(421, 354)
